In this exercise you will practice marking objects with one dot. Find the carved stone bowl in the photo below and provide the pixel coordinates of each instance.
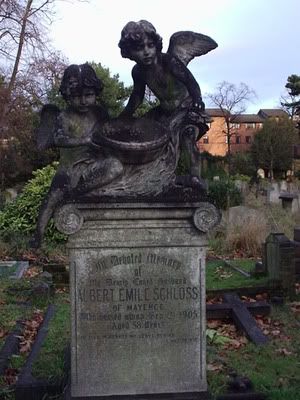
(133, 141)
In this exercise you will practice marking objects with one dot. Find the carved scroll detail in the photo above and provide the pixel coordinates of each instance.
(68, 219)
(206, 217)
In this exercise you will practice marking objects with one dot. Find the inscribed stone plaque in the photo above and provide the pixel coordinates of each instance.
(138, 321)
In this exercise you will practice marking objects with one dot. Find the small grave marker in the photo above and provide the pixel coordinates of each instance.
(241, 313)
(13, 269)
(297, 253)
(279, 257)
(237, 269)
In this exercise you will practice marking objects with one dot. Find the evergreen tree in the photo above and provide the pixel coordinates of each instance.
(272, 148)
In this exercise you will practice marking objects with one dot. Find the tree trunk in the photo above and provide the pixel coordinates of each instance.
(7, 96)
(271, 172)
(228, 135)
(20, 47)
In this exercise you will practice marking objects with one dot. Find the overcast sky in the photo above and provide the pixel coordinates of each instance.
(258, 39)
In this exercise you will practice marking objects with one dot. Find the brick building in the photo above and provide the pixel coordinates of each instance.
(244, 128)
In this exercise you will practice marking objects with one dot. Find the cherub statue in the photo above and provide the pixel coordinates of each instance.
(83, 165)
(167, 76)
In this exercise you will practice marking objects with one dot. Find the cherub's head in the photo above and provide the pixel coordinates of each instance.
(80, 86)
(135, 37)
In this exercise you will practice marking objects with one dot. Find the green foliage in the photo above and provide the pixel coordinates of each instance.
(214, 337)
(224, 193)
(183, 166)
(212, 166)
(150, 101)
(114, 93)
(241, 177)
(221, 276)
(293, 85)
(19, 217)
(272, 146)
(242, 164)
(50, 364)
(297, 174)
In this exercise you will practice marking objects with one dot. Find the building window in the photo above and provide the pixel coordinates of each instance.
(248, 139)
(235, 126)
(237, 139)
(205, 139)
(250, 125)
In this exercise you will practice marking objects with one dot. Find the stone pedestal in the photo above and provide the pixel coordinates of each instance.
(137, 279)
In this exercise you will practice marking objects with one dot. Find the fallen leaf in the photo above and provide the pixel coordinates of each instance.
(2, 333)
(10, 376)
(32, 272)
(25, 346)
(284, 352)
(214, 367)
(214, 323)
(275, 332)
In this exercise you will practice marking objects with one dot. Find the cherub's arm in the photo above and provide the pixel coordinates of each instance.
(62, 139)
(181, 72)
(137, 95)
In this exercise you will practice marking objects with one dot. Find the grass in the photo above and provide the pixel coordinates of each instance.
(219, 276)
(12, 296)
(50, 362)
(275, 373)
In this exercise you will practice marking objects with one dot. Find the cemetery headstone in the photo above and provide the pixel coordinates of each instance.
(280, 261)
(297, 253)
(138, 300)
(273, 193)
(137, 232)
(13, 269)
(290, 201)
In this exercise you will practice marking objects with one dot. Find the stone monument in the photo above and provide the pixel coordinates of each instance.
(137, 232)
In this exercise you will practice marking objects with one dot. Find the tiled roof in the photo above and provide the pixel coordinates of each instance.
(247, 118)
(262, 114)
(214, 112)
(272, 113)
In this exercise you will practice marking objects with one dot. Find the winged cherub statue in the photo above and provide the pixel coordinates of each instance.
(167, 76)
(83, 165)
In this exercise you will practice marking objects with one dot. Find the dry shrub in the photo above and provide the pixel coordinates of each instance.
(246, 238)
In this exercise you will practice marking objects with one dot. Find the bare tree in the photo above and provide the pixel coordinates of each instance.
(231, 100)
(24, 41)
(29, 67)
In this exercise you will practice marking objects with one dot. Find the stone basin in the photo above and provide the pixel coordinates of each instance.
(133, 141)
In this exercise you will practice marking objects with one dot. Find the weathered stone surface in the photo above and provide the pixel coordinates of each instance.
(138, 301)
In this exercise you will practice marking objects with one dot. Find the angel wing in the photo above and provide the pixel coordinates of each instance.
(186, 45)
(45, 131)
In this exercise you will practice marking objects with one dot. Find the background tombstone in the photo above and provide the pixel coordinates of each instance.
(297, 253)
(279, 255)
(13, 269)
(290, 202)
(273, 193)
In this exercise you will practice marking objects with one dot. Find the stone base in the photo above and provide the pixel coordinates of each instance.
(137, 279)
(162, 396)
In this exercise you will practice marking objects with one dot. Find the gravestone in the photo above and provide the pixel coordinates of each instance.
(297, 253)
(290, 202)
(137, 230)
(137, 278)
(273, 193)
(13, 269)
(279, 258)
